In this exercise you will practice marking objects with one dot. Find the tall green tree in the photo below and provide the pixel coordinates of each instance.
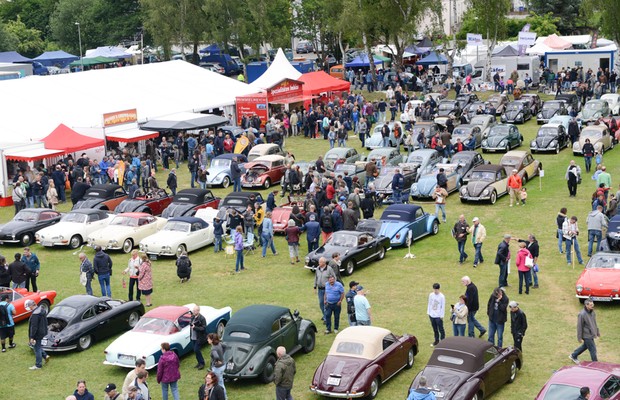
(603, 14)
(566, 10)
(65, 31)
(492, 17)
(118, 19)
(160, 20)
(29, 41)
(8, 41)
(228, 23)
(35, 14)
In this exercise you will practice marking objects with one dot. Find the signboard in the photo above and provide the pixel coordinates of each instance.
(250, 105)
(527, 39)
(501, 69)
(120, 117)
(286, 89)
(474, 39)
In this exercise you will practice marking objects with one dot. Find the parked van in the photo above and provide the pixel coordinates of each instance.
(462, 70)
(337, 71)
(230, 66)
(505, 66)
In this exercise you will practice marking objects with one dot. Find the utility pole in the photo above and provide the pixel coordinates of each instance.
(80, 44)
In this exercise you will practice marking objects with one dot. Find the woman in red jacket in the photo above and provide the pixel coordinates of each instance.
(524, 271)
(168, 373)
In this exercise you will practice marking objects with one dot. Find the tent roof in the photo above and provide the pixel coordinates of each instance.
(31, 154)
(538, 49)
(107, 51)
(130, 135)
(361, 60)
(506, 51)
(56, 55)
(93, 61)
(433, 58)
(319, 82)
(69, 141)
(183, 121)
(425, 42)
(212, 48)
(13, 57)
(557, 43)
(279, 70)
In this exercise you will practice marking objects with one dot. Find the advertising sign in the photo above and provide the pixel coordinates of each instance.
(286, 89)
(120, 117)
(474, 39)
(250, 105)
(527, 38)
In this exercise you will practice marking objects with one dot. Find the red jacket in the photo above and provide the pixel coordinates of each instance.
(330, 192)
(514, 181)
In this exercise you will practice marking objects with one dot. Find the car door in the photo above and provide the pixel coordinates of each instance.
(115, 321)
(287, 331)
(393, 357)
(501, 182)
(105, 325)
(419, 224)
(198, 236)
(365, 249)
(496, 370)
(183, 336)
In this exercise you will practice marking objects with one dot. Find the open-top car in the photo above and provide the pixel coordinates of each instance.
(425, 186)
(602, 378)
(253, 335)
(187, 201)
(468, 368)
(73, 228)
(593, 110)
(169, 324)
(239, 201)
(103, 197)
(349, 154)
(356, 248)
(282, 214)
(486, 183)
(383, 182)
(517, 112)
(399, 219)
(523, 162)
(502, 137)
(180, 234)
(265, 149)
(485, 122)
(550, 137)
(464, 132)
(360, 360)
(22, 228)
(499, 102)
(219, 171)
(600, 279)
(81, 320)
(535, 102)
(125, 231)
(613, 100)
(263, 172)
(154, 202)
(599, 136)
(19, 296)
(550, 109)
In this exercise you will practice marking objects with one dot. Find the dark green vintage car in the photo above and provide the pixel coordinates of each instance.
(254, 333)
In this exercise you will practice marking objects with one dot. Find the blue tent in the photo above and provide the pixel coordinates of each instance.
(362, 61)
(213, 49)
(56, 58)
(13, 57)
(433, 58)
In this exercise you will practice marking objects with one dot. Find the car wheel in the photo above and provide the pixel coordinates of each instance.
(220, 329)
(133, 319)
(267, 183)
(493, 197)
(84, 342)
(382, 253)
(484, 150)
(225, 182)
(181, 249)
(507, 149)
(374, 388)
(75, 241)
(350, 267)
(602, 151)
(45, 306)
(513, 372)
(309, 341)
(463, 200)
(477, 396)
(148, 211)
(127, 246)
(557, 149)
(435, 228)
(268, 372)
(524, 180)
(410, 358)
(26, 239)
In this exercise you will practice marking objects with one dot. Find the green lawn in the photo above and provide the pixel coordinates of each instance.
(398, 292)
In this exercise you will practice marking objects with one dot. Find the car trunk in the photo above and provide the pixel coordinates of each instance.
(55, 325)
(236, 357)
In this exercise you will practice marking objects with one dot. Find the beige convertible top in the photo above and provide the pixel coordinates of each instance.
(359, 341)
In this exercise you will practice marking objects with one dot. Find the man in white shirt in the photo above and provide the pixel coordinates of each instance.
(362, 307)
(436, 311)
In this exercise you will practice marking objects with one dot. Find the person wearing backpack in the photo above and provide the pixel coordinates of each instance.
(327, 226)
(7, 325)
(184, 267)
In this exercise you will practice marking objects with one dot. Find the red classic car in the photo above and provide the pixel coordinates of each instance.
(187, 201)
(18, 297)
(153, 202)
(600, 279)
(280, 215)
(602, 378)
(360, 360)
(263, 171)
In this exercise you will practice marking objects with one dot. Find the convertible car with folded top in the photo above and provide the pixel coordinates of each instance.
(154, 202)
(102, 197)
(187, 201)
(398, 220)
(19, 296)
(74, 228)
(22, 228)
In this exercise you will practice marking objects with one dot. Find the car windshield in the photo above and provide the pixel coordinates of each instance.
(499, 131)
(547, 132)
(220, 163)
(343, 239)
(446, 106)
(495, 100)
(387, 170)
(483, 176)
(511, 161)
(478, 120)
(607, 261)
(514, 106)
(415, 159)
(461, 131)
(561, 392)
(551, 105)
(63, 312)
(235, 201)
(593, 105)
(591, 133)
(460, 159)
(155, 326)
(341, 168)
(74, 217)
(177, 226)
(27, 216)
(124, 220)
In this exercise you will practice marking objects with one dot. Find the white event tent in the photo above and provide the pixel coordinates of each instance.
(279, 70)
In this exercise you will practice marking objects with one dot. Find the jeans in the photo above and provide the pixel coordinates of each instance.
(104, 282)
(219, 372)
(39, 353)
(88, 286)
(493, 328)
(332, 308)
(331, 143)
(321, 295)
(313, 245)
(527, 277)
(386, 141)
(361, 322)
(19, 285)
(441, 207)
(588, 161)
(239, 262)
(381, 116)
(461, 246)
(369, 179)
(473, 322)
(458, 329)
(217, 243)
(267, 241)
(174, 388)
(569, 243)
(342, 142)
(196, 345)
(588, 344)
(397, 196)
(283, 393)
(192, 178)
(594, 234)
(535, 276)
(132, 282)
(503, 274)
(237, 184)
(437, 324)
(478, 256)
(560, 240)
(40, 201)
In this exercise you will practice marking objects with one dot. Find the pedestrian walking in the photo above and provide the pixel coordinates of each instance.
(459, 233)
(284, 374)
(349, 297)
(217, 359)
(266, 235)
(145, 279)
(334, 294)
(497, 311)
(473, 305)
(524, 263)
(440, 195)
(501, 259)
(518, 324)
(18, 271)
(597, 222)
(171, 182)
(34, 266)
(560, 223)
(587, 331)
(102, 264)
(436, 311)
(37, 329)
(218, 232)
(478, 234)
(133, 266)
(292, 233)
(459, 316)
(362, 307)
(573, 178)
(87, 272)
(198, 335)
(7, 324)
(168, 373)
(532, 245)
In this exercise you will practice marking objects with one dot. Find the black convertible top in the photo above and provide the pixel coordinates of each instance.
(256, 320)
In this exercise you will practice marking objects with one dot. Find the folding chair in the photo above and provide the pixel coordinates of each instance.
(248, 243)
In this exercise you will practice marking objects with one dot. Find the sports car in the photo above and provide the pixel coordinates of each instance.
(219, 171)
(602, 378)
(254, 333)
(535, 102)
(383, 182)
(550, 109)
(349, 154)
(425, 186)
(187, 201)
(499, 102)
(399, 219)
(162, 324)
(599, 136)
(426, 159)
(467, 368)
(125, 231)
(523, 162)
(79, 321)
(550, 137)
(463, 132)
(466, 161)
(393, 156)
(281, 214)
(153, 202)
(429, 131)
(178, 235)
(356, 248)
(263, 172)
(593, 110)
(269, 149)
(360, 360)
(73, 228)
(102, 197)
(600, 279)
(22, 228)
(486, 183)
(18, 297)
(517, 112)
(613, 100)
(502, 137)
(375, 141)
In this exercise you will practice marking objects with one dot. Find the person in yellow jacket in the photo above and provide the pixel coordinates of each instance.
(478, 234)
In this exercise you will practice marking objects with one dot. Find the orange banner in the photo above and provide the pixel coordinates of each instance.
(120, 117)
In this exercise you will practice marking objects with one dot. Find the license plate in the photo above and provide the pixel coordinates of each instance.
(125, 357)
(43, 342)
(601, 298)
(47, 244)
(230, 365)
(333, 381)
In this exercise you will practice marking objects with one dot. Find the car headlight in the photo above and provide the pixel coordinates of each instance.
(485, 192)
(539, 115)
(533, 143)
(113, 241)
(484, 142)
(553, 143)
(579, 288)
(414, 188)
(502, 142)
(307, 260)
(464, 190)
(61, 237)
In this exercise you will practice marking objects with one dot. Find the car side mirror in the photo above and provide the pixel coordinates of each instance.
(296, 314)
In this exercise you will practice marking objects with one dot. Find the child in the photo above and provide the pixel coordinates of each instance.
(598, 158)
(523, 195)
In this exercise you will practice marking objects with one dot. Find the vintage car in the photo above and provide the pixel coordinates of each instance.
(383, 182)
(233, 131)
(73, 228)
(602, 378)
(475, 108)
(239, 201)
(573, 102)
(502, 137)
(599, 136)
(535, 102)
(467, 368)
(429, 131)
(102, 197)
(375, 141)
(550, 109)
(550, 137)
(399, 219)
(425, 159)
(219, 171)
(125, 231)
(393, 156)
(613, 100)
(517, 112)
(19, 296)
(263, 172)
(154, 202)
(466, 99)
(593, 110)
(349, 154)
(22, 228)
(180, 234)
(254, 333)
(466, 161)
(425, 186)
(361, 359)
(449, 108)
(486, 183)
(356, 169)
(612, 240)
(356, 248)
(281, 214)
(600, 279)
(563, 120)
(187, 201)
(485, 122)
(81, 320)
(523, 162)
(260, 150)
(463, 133)
(499, 102)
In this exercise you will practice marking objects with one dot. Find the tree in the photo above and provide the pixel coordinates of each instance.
(492, 15)
(119, 19)
(566, 10)
(8, 41)
(64, 30)
(604, 14)
(29, 42)
(34, 14)
(160, 18)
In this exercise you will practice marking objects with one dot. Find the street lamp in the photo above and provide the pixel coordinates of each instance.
(80, 43)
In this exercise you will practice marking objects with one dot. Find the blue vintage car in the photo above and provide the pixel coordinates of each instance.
(398, 219)
(425, 186)
(219, 171)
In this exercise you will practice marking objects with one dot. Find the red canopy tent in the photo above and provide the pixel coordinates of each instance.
(320, 82)
(69, 141)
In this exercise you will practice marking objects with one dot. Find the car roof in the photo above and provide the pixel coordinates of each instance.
(87, 211)
(371, 337)
(194, 191)
(269, 157)
(601, 127)
(81, 301)
(170, 313)
(550, 126)
(585, 372)
(230, 156)
(256, 320)
(409, 208)
(515, 153)
(106, 187)
(470, 350)
(134, 215)
(382, 150)
(338, 150)
(189, 220)
(39, 210)
(262, 146)
(488, 167)
(242, 194)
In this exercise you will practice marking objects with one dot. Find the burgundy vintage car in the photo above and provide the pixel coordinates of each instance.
(154, 202)
(187, 201)
(602, 378)
(360, 360)
(263, 172)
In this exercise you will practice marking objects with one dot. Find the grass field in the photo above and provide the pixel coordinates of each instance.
(398, 292)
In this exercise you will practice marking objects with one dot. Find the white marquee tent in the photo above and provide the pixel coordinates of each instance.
(279, 70)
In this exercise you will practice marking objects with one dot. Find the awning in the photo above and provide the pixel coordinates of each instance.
(69, 140)
(183, 122)
(131, 135)
(31, 154)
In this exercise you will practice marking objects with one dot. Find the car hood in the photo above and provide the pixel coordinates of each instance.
(493, 141)
(512, 114)
(177, 210)
(548, 112)
(475, 188)
(215, 171)
(383, 182)
(239, 354)
(327, 251)
(591, 113)
(88, 203)
(61, 228)
(345, 368)
(375, 140)
(543, 141)
(444, 380)
(138, 344)
(164, 238)
(129, 205)
(14, 226)
(426, 185)
(600, 279)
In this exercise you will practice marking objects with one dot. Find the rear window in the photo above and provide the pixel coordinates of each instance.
(350, 348)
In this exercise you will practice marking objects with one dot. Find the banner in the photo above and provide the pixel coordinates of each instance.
(286, 89)
(474, 39)
(501, 69)
(250, 105)
(120, 117)
(527, 38)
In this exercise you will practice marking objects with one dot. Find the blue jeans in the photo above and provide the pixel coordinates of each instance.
(331, 143)
(217, 243)
(588, 161)
(473, 322)
(503, 274)
(560, 240)
(397, 196)
(569, 243)
(219, 372)
(192, 178)
(588, 344)
(239, 262)
(88, 286)
(237, 184)
(461, 246)
(478, 256)
(267, 241)
(39, 354)
(386, 141)
(19, 285)
(174, 388)
(594, 234)
(332, 308)
(104, 282)
(499, 328)
(283, 393)
(361, 322)
(458, 329)
(369, 179)
(321, 295)
(441, 207)
(535, 277)
(342, 142)
(437, 324)
(40, 201)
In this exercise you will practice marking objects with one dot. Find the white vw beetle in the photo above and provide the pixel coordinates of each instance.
(74, 228)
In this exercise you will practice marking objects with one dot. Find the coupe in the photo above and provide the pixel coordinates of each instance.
(502, 137)
(153, 202)
(261, 150)
(187, 201)
(535, 102)
(499, 102)
(486, 183)
(466, 161)
(125, 231)
(600, 279)
(349, 154)
(550, 109)
(383, 183)
(485, 122)
(599, 136)
(517, 112)
(180, 234)
(425, 159)
(73, 228)
(550, 137)
(103, 197)
(219, 171)
(18, 297)
(523, 162)
(22, 228)
(602, 378)
(263, 172)
(399, 219)
(463, 132)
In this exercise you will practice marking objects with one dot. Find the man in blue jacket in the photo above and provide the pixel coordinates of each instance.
(102, 263)
(398, 184)
(34, 265)
(313, 232)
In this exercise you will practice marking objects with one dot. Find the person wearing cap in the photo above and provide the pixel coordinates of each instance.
(81, 392)
(422, 392)
(111, 393)
(584, 393)
(478, 234)
(349, 297)
(518, 324)
(7, 327)
(436, 310)
(497, 311)
(514, 187)
(37, 329)
(362, 307)
(501, 259)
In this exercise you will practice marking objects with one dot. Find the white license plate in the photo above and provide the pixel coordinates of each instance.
(126, 357)
(230, 365)
(43, 342)
(47, 244)
(333, 381)
(601, 298)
